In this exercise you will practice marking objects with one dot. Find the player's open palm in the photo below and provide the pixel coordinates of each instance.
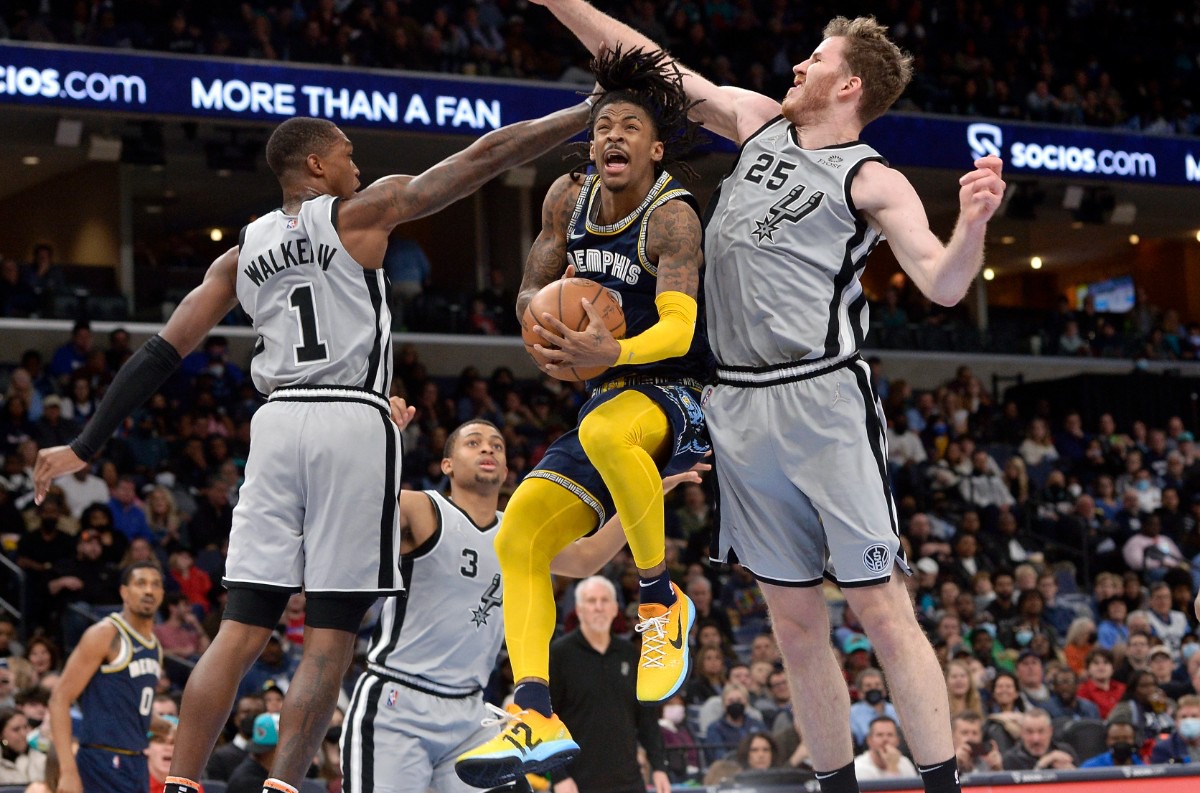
(981, 191)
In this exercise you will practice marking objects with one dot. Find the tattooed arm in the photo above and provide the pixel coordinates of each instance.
(548, 255)
(673, 243)
(365, 220)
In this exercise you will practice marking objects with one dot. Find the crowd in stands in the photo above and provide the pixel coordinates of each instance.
(1118, 63)
(1054, 560)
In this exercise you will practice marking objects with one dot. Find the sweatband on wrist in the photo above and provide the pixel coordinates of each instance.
(670, 337)
(136, 382)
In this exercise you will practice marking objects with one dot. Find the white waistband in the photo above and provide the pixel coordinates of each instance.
(328, 394)
(771, 374)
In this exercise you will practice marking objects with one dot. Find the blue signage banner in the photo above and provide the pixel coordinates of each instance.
(189, 87)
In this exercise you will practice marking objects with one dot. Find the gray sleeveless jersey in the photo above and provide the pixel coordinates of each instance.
(783, 252)
(322, 318)
(444, 634)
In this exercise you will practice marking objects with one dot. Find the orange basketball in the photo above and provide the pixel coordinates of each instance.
(561, 299)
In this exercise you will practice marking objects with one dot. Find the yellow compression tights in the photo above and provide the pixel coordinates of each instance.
(621, 438)
(541, 519)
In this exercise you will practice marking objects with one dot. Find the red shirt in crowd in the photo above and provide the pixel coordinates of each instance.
(1105, 699)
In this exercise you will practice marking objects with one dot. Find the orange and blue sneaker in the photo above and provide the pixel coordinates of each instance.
(529, 744)
(664, 664)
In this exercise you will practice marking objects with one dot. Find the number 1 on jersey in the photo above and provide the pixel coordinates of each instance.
(311, 349)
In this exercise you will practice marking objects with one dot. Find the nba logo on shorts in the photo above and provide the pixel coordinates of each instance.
(876, 558)
(391, 698)
(705, 394)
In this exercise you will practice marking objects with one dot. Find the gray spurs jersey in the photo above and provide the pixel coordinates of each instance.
(444, 633)
(321, 317)
(783, 250)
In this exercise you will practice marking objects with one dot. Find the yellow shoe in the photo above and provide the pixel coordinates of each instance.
(529, 744)
(664, 664)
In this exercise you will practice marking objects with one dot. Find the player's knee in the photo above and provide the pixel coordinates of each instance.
(600, 434)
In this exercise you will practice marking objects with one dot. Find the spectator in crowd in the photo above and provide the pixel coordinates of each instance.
(725, 733)
(1183, 744)
(972, 751)
(1112, 630)
(872, 703)
(20, 763)
(758, 751)
(1080, 640)
(180, 632)
(683, 756)
(882, 758)
(1100, 687)
(961, 690)
(113, 544)
(128, 515)
(1037, 446)
(254, 769)
(1167, 623)
(708, 610)
(1137, 651)
(81, 489)
(1005, 706)
(1121, 740)
(43, 277)
(1149, 550)
(1065, 702)
(17, 299)
(408, 270)
(1037, 749)
(72, 355)
(1031, 680)
(1145, 706)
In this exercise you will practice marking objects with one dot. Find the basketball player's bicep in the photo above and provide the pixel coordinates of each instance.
(205, 306)
(89, 655)
(673, 244)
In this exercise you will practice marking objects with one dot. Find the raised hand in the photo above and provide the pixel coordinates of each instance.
(981, 190)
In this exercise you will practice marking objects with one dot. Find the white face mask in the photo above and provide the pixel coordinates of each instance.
(674, 713)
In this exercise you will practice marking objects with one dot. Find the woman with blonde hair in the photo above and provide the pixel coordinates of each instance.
(961, 690)
(1016, 476)
(1081, 638)
(164, 517)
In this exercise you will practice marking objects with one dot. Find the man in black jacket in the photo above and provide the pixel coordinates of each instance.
(593, 678)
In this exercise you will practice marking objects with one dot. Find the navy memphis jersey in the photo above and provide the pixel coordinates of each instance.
(615, 257)
(117, 701)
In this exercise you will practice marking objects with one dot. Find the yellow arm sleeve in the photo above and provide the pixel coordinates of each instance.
(670, 337)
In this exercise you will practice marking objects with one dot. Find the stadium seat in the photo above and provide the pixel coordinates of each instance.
(1085, 736)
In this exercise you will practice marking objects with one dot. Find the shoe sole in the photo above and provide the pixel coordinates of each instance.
(488, 772)
(687, 656)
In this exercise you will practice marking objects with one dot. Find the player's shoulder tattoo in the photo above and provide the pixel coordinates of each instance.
(673, 241)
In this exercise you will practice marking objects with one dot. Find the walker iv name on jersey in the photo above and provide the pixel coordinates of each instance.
(292, 253)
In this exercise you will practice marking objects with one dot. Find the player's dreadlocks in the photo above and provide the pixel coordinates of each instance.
(654, 82)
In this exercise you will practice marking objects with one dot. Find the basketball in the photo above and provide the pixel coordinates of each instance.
(561, 299)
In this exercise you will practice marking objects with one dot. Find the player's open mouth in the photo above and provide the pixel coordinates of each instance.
(615, 161)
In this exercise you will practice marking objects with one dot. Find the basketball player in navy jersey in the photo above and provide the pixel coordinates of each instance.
(113, 673)
(797, 430)
(434, 649)
(318, 507)
(631, 228)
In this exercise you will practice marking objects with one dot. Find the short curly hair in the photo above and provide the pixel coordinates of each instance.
(885, 69)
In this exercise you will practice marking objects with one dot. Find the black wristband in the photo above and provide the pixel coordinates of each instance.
(137, 381)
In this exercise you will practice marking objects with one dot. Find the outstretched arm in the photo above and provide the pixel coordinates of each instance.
(393, 200)
(585, 557)
(942, 273)
(732, 113)
(149, 367)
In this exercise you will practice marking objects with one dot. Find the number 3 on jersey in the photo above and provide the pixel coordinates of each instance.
(312, 348)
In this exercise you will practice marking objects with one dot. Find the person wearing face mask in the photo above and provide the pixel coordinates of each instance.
(726, 732)
(1120, 739)
(683, 758)
(1182, 745)
(873, 703)
(1019, 631)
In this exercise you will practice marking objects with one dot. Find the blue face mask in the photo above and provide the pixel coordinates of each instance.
(1189, 650)
(1190, 728)
(1024, 637)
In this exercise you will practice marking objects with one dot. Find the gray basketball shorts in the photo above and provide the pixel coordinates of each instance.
(801, 474)
(318, 508)
(396, 739)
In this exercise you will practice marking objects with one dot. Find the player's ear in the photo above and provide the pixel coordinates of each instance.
(447, 466)
(314, 166)
(592, 150)
(853, 83)
(656, 151)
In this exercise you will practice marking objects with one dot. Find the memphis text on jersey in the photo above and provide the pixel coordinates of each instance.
(292, 253)
(143, 666)
(602, 262)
